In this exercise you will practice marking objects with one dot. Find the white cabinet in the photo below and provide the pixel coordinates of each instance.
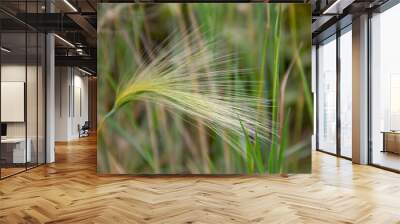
(19, 155)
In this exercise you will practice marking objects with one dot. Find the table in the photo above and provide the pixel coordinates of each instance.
(391, 141)
(15, 148)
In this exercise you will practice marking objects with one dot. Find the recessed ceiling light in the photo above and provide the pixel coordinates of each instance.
(70, 5)
(5, 50)
(337, 7)
(64, 40)
(84, 71)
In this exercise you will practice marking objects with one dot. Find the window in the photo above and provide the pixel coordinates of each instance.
(327, 96)
(385, 89)
(346, 93)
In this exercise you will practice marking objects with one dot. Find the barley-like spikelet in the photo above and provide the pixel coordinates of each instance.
(177, 78)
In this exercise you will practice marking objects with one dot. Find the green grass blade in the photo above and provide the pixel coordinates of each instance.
(284, 142)
(249, 151)
(135, 145)
(272, 165)
(258, 157)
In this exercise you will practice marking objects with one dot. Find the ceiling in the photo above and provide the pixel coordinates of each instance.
(75, 22)
(332, 15)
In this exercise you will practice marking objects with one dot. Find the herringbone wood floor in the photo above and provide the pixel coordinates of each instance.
(69, 191)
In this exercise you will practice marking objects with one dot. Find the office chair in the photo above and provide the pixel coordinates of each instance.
(84, 130)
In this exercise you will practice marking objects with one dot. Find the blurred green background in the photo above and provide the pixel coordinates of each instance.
(273, 40)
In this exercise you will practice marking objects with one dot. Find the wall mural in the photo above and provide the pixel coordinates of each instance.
(204, 88)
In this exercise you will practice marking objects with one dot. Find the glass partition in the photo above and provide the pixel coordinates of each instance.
(22, 77)
(327, 96)
(385, 89)
(346, 93)
(15, 151)
(31, 99)
(41, 109)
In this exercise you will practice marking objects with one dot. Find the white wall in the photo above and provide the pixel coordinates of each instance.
(80, 108)
(71, 102)
(33, 127)
(12, 73)
(61, 103)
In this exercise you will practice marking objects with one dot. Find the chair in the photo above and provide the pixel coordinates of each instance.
(84, 130)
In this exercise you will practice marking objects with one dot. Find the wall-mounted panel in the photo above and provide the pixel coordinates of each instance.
(12, 98)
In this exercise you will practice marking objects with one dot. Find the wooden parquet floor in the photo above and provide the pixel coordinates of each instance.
(69, 191)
